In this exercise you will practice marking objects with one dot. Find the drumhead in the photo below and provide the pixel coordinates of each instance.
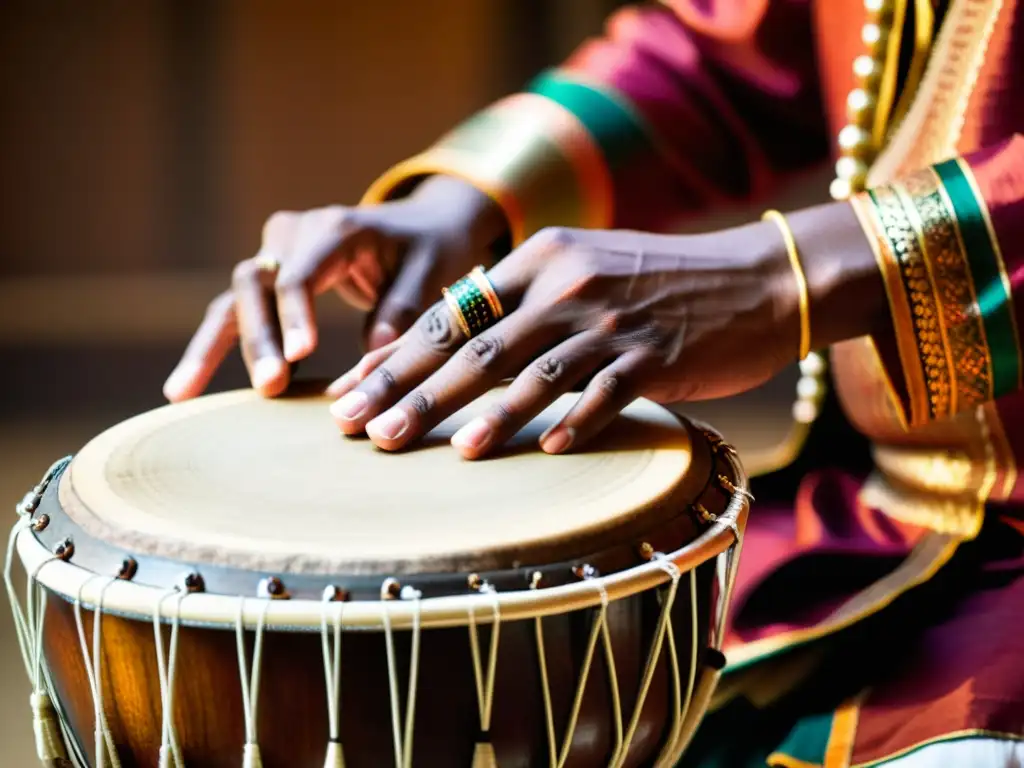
(234, 479)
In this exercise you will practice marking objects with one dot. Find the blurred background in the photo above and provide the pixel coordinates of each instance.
(142, 146)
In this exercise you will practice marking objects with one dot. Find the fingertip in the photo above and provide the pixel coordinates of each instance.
(298, 344)
(473, 439)
(382, 335)
(388, 430)
(270, 376)
(558, 439)
(180, 383)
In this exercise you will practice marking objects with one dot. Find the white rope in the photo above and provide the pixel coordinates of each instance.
(250, 685)
(21, 627)
(613, 676)
(332, 665)
(93, 666)
(581, 686)
(558, 757)
(403, 738)
(169, 748)
(28, 625)
(667, 758)
(545, 687)
(652, 658)
(484, 685)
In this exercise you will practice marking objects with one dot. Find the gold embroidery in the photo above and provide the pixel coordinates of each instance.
(902, 317)
(954, 288)
(921, 295)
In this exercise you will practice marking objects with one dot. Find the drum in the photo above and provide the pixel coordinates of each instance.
(230, 581)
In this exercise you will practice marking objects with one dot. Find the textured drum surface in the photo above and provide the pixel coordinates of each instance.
(248, 482)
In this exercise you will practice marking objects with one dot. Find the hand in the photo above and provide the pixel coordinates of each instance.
(670, 318)
(406, 250)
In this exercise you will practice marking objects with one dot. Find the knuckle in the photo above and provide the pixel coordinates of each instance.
(555, 238)
(422, 402)
(483, 353)
(610, 387)
(438, 329)
(548, 370)
(384, 379)
(502, 413)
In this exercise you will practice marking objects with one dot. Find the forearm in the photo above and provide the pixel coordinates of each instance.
(665, 114)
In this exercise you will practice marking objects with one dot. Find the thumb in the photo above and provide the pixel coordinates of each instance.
(408, 296)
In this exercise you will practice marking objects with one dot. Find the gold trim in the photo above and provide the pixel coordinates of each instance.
(957, 291)
(959, 515)
(899, 307)
(890, 71)
(926, 296)
(839, 750)
(919, 290)
(924, 28)
(996, 250)
(780, 760)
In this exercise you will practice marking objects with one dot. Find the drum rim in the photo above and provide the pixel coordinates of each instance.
(141, 602)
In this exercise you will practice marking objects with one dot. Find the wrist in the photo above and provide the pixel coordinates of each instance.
(845, 289)
(478, 214)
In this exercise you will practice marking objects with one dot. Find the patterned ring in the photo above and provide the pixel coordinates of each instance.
(474, 303)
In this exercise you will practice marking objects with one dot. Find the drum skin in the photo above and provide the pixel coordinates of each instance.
(292, 718)
(292, 715)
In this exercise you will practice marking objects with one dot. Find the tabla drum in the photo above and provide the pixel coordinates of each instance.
(230, 581)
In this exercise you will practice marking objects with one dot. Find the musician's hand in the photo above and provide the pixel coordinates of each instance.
(670, 318)
(391, 258)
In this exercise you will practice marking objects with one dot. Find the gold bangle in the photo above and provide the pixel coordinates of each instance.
(803, 292)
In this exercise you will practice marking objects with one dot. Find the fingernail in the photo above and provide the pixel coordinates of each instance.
(473, 436)
(382, 335)
(265, 371)
(557, 439)
(341, 385)
(351, 406)
(179, 379)
(390, 425)
(296, 343)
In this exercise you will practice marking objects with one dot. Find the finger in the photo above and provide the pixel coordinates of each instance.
(353, 295)
(318, 248)
(611, 390)
(205, 352)
(258, 328)
(411, 292)
(413, 357)
(370, 267)
(366, 365)
(476, 368)
(552, 374)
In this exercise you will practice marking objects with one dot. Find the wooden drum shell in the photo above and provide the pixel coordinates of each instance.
(292, 719)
